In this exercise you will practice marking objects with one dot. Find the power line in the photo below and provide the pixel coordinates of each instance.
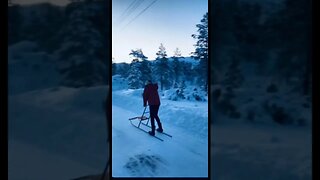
(132, 7)
(141, 13)
(127, 9)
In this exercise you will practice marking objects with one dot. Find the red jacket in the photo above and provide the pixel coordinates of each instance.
(150, 95)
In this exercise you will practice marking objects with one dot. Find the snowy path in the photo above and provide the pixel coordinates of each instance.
(135, 153)
(57, 133)
(240, 151)
(30, 162)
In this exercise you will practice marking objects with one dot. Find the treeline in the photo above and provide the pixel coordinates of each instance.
(261, 60)
(274, 37)
(75, 34)
(170, 72)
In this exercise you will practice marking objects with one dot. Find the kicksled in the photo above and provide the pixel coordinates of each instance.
(142, 119)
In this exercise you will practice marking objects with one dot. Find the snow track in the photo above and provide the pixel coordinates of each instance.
(135, 153)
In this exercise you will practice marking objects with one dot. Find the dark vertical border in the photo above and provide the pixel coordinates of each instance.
(4, 93)
(110, 87)
(315, 98)
(209, 89)
(4, 90)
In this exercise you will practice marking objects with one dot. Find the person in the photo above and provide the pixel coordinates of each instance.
(151, 96)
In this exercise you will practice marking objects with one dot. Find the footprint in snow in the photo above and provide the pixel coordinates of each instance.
(144, 165)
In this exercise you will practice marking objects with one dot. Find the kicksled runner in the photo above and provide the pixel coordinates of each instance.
(141, 120)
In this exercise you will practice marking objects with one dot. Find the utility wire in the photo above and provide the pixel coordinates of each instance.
(132, 7)
(140, 13)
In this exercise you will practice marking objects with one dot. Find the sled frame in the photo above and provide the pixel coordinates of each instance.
(143, 118)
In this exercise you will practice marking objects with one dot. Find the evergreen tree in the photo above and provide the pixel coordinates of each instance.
(144, 64)
(176, 67)
(187, 72)
(288, 32)
(180, 92)
(80, 60)
(146, 71)
(138, 55)
(201, 51)
(162, 68)
(134, 75)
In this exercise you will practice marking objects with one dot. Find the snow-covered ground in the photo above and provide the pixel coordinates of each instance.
(57, 133)
(60, 133)
(30, 162)
(135, 153)
(248, 151)
(30, 68)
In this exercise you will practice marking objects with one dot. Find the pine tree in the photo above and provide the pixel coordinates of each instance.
(162, 68)
(292, 42)
(176, 67)
(146, 71)
(187, 72)
(139, 68)
(80, 60)
(138, 55)
(134, 78)
(182, 87)
(201, 51)
(144, 64)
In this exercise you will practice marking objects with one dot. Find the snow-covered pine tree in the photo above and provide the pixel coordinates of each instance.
(176, 67)
(182, 87)
(139, 69)
(233, 80)
(201, 51)
(187, 71)
(80, 61)
(146, 71)
(138, 55)
(162, 68)
(291, 41)
(134, 77)
(144, 65)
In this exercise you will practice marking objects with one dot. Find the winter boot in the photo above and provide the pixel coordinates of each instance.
(152, 133)
(160, 128)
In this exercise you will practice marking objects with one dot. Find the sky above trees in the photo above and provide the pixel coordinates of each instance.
(146, 24)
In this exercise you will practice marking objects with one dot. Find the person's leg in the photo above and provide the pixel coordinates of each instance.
(158, 119)
(152, 116)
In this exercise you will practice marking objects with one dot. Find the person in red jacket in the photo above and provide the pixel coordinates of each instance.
(151, 96)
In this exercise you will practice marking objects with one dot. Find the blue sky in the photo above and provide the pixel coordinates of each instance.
(171, 22)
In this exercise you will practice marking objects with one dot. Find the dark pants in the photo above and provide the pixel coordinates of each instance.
(154, 115)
